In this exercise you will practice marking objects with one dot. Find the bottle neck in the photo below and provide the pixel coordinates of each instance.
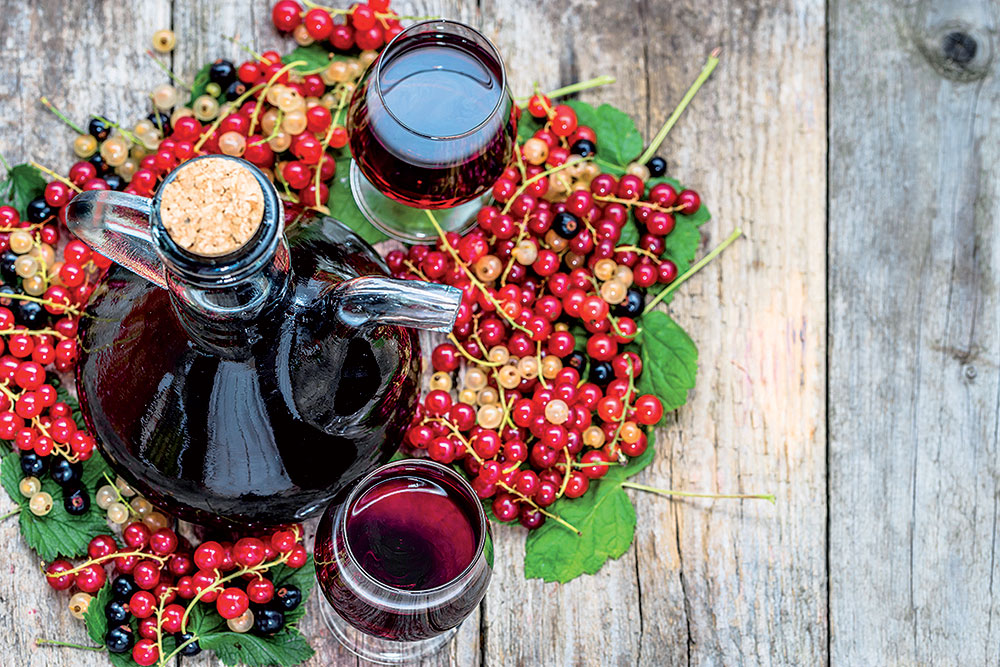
(221, 301)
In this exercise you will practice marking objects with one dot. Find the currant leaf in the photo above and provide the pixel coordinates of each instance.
(58, 533)
(97, 627)
(199, 84)
(618, 140)
(286, 648)
(25, 184)
(605, 518)
(302, 578)
(314, 55)
(341, 203)
(669, 360)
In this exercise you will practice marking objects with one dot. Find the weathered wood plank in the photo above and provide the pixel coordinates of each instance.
(86, 57)
(914, 332)
(722, 582)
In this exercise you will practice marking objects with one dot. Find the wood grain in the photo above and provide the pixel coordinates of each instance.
(707, 582)
(914, 260)
(86, 58)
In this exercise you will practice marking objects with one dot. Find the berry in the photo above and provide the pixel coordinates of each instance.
(119, 639)
(232, 602)
(76, 501)
(267, 622)
(249, 552)
(288, 597)
(657, 166)
(123, 587)
(145, 652)
(55, 575)
(188, 649)
(91, 578)
(260, 590)
(116, 612)
(142, 604)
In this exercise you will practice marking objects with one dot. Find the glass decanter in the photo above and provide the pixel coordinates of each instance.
(247, 388)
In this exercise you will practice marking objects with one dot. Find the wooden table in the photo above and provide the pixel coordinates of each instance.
(848, 347)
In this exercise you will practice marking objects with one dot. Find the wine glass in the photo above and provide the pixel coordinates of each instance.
(432, 126)
(403, 560)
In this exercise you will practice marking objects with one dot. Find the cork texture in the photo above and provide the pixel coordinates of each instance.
(212, 207)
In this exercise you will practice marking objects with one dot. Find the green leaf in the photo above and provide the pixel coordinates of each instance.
(669, 360)
(586, 114)
(342, 206)
(199, 83)
(315, 56)
(618, 139)
(605, 518)
(58, 533)
(630, 233)
(286, 648)
(682, 243)
(97, 626)
(302, 578)
(24, 183)
(527, 125)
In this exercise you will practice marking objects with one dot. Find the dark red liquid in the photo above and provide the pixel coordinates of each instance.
(441, 132)
(407, 559)
(411, 533)
(266, 431)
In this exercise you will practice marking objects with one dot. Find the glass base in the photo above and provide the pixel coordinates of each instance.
(378, 650)
(406, 223)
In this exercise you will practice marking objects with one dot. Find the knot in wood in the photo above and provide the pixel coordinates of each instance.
(959, 47)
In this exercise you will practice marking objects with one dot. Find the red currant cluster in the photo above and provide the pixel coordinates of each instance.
(547, 400)
(158, 577)
(366, 26)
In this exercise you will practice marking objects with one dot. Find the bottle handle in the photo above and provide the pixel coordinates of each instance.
(116, 225)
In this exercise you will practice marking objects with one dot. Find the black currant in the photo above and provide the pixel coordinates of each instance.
(99, 164)
(268, 621)
(119, 639)
(601, 373)
(160, 121)
(7, 261)
(116, 612)
(39, 211)
(98, 129)
(76, 500)
(657, 166)
(30, 314)
(33, 465)
(64, 472)
(123, 587)
(287, 597)
(235, 89)
(577, 360)
(566, 225)
(222, 72)
(194, 648)
(633, 304)
(115, 182)
(583, 148)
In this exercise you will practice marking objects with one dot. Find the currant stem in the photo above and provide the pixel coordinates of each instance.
(574, 88)
(236, 105)
(713, 60)
(173, 77)
(472, 277)
(61, 179)
(688, 494)
(10, 513)
(118, 493)
(61, 116)
(39, 641)
(693, 270)
(125, 133)
(253, 54)
(45, 302)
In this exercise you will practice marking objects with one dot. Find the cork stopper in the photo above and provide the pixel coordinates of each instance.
(212, 206)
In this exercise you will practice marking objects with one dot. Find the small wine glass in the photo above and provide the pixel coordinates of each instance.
(432, 126)
(403, 560)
